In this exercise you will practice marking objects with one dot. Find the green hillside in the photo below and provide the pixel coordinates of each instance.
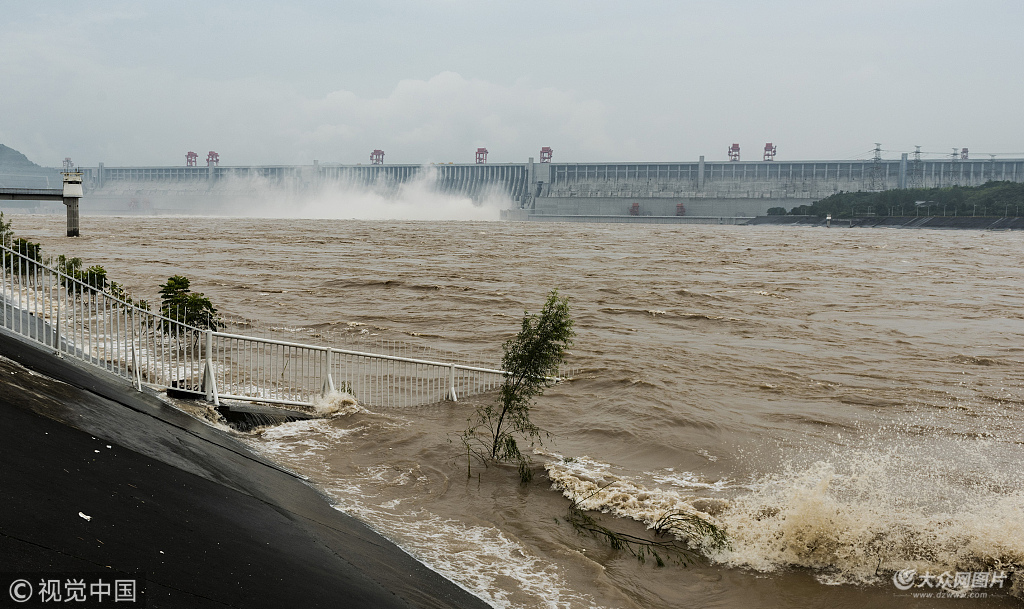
(991, 199)
(16, 170)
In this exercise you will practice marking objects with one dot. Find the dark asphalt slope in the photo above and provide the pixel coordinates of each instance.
(209, 523)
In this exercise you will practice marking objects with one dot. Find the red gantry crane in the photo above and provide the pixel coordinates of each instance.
(190, 159)
(545, 154)
(734, 152)
(769, 151)
(377, 157)
(481, 156)
(212, 158)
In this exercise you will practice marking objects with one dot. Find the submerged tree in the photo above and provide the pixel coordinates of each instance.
(531, 360)
(30, 251)
(677, 534)
(179, 303)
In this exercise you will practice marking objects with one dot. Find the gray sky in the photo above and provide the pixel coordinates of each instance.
(140, 83)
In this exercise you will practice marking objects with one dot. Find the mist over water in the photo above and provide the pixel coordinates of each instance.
(845, 403)
(258, 197)
(416, 199)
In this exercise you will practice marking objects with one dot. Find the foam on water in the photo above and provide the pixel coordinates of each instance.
(855, 518)
(860, 517)
(337, 403)
(484, 560)
(593, 486)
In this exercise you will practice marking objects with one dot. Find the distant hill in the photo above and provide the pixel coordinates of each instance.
(989, 199)
(16, 171)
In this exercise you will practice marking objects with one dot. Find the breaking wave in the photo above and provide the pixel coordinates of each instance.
(855, 519)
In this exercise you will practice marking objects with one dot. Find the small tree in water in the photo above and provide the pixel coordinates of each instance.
(179, 303)
(530, 361)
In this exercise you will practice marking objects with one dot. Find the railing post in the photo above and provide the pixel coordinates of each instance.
(59, 354)
(329, 380)
(209, 378)
(135, 357)
(451, 383)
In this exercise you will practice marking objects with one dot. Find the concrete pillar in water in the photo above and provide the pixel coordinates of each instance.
(531, 179)
(72, 195)
(903, 172)
(99, 176)
(72, 205)
(700, 173)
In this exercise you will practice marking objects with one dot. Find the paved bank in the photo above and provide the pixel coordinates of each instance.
(209, 522)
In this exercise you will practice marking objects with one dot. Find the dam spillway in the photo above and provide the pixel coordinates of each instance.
(537, 190)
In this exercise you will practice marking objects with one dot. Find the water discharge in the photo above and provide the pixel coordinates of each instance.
(845, 403)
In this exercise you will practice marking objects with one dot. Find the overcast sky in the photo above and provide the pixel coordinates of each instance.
(142, 83)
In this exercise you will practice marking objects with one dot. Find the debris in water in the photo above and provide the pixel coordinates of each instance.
(337, 403)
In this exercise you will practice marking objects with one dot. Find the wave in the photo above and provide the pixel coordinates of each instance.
(853, 525)
(854, 522)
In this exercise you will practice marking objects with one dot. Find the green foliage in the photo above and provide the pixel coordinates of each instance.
(30, 251)
(96, 277)
(93, 279)
(776, 211)
(79, 280)
(991, 199)
(174, 290)
(179, 303)
(68, 266)
(75, 279)
(531, 359)
(117, 290)
(6, 233)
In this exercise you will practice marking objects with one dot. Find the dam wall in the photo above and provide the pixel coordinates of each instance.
(659, 206)
(701, 188)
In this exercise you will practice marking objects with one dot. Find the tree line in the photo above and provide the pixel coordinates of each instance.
(993, 199)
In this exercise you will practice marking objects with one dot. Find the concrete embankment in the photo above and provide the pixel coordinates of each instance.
(933, 222)
(209, 522)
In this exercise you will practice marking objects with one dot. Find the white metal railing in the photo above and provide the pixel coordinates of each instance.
(80, 318)
(281, 372)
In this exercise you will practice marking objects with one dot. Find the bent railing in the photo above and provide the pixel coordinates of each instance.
(281, 372)
(79, 318)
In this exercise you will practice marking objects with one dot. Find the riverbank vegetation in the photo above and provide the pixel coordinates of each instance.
(531, 360)
(994, 199)
(177, 301)
(180, 303)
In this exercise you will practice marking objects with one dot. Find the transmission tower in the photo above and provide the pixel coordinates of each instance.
(876, 169)
(954, 168)
(917, 169)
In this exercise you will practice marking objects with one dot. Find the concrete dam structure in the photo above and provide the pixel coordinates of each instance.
(550, 191)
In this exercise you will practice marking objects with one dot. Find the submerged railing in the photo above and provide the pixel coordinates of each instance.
(80, 318)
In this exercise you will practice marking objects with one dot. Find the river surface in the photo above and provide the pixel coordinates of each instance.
(844, 403)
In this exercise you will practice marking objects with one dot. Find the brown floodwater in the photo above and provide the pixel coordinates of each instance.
(843, 403)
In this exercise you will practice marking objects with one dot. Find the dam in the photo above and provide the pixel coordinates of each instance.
(548, 190)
